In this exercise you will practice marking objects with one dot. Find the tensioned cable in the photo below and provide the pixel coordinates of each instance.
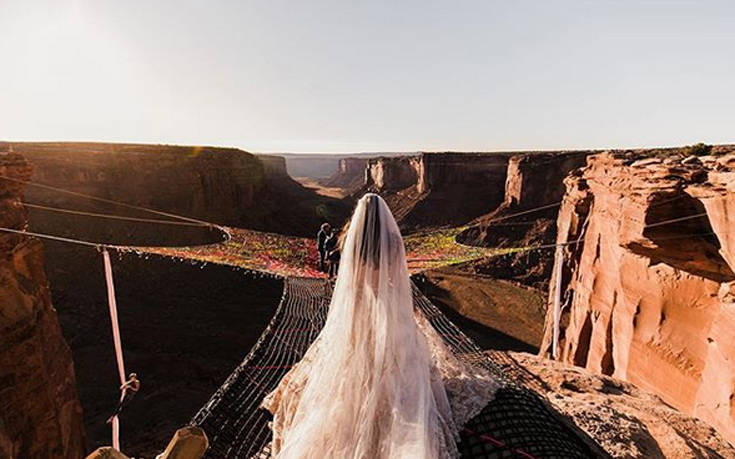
(112, 216)
(505, 217)
(529, 211)
(547, 246)
(675, 220)
(62, 239)
(108, 201)
(580, 240)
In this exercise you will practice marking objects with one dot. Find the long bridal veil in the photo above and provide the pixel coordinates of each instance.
(377, 382)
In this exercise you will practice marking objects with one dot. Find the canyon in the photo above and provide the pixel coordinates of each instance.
(505, 200)
(527, 217)
(647, 282)
(463, 185)
(200, 320)
(226, 186)
(647, 306)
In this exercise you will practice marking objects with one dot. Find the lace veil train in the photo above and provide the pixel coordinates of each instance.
(378, 381)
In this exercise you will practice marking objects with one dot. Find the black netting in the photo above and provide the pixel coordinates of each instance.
(517, 423)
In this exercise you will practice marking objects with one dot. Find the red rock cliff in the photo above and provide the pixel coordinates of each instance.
(201, 182)
(534, 180)
(351, 174)
(462, 185)
(227, 186)
(40, 414)
(647, 301)
(393, 174)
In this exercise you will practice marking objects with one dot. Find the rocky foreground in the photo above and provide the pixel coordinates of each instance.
(625, 421)
(40, 413)
(648, 281)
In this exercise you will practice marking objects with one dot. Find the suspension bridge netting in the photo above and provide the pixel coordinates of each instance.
(517, 423)
(289, 256)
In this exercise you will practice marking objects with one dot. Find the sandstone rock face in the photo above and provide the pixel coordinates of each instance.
(393, 174)
(648, 292)
(218, 183)
(477, 170)
(40, 414)
(463, 185)
(534, 180)
(351, 175)
(624, 420)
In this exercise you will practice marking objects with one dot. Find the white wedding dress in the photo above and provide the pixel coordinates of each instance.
(378, 381)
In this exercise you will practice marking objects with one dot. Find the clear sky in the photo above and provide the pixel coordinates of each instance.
(347, 75)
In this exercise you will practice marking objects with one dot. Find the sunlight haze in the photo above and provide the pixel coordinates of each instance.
(336, 76)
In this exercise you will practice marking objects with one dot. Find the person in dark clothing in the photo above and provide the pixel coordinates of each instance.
(321, 239)
(332, 247)
(128, 390)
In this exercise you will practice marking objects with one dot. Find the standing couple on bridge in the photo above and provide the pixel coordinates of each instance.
(378, 381)
(329, 243)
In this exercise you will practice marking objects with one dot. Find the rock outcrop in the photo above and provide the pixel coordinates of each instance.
(625, 421)
(438, 189)
(648, 282)
(526, 217)
(394, 174)
(350, 175)
(40, 414)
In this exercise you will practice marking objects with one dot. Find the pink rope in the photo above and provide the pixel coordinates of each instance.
(115, 338)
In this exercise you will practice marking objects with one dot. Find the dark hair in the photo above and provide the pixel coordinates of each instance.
(370, 248)
(368, 251)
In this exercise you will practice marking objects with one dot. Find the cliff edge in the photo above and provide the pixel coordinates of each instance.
(648, 281)
(625, 421)
(40, 414)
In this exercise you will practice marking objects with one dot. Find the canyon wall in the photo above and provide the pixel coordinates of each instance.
(526, 217)
(393, 174)
(226, 186)
(351, 175)
(536, 179)
(648, 292)
(216, 183)
(474, 186)
(40, 414)
(462, 185)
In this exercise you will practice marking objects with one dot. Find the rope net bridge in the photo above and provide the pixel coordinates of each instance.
(517, 423)
(288, 256)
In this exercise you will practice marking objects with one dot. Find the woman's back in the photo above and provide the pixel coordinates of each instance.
(371, 385)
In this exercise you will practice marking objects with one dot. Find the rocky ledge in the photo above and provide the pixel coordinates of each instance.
(40, 414)
(625, 421)
(648, 276)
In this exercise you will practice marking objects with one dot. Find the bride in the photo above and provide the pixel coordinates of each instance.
(378, 382)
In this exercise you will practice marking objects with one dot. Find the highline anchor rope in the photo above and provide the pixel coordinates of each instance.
(117, 341)
(114, 216)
